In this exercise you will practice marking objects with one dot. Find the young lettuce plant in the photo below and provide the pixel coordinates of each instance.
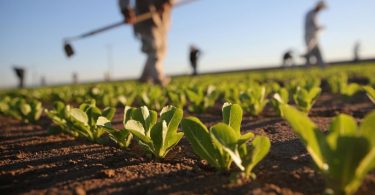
(110, 96)
(337, 82)
(245, 156)
(87, 121)
(103, 96)
(224, 144)
(306, 83)
(154, 98)
(201, 99)
(60, 117)
(370, 93)
(196, 99)
(28, 111)
(345, 155)
(349, 90)
(121, 137)
(273, 86)
(305, 99)
(4, 105)
(232, 95)
(177, 98)
(281, 97)
(62, 94)
(158, 137)
(212, 94)
(254, 100)
(312, 83)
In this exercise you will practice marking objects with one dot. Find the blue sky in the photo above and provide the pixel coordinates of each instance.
(232, 34)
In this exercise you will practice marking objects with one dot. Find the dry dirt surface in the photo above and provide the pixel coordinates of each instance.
(35, 162)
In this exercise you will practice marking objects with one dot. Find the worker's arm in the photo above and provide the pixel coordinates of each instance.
(127, 11)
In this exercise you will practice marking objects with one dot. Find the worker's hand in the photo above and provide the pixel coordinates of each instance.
(129, 15)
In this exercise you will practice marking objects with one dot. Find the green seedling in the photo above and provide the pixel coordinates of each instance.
(177, 98)
(109, 96)
(201, 99)
(305, 99)
(87, 121)
(306, 83)
(60, 117)
(370, 93)
(232, 95)
(154, 98)
(121, 137)
(254, 100)
(158, 137)
(281, 97)
(345, 155)
(339, 85)
(224, 144)
(349, 90)
(4, 105)
(337, 82)
(28, 111)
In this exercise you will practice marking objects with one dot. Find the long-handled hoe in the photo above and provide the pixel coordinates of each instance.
(69, 51)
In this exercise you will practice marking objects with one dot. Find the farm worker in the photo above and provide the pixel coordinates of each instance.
(193, 56)
(312, 30)
(20, 73)
(152, 33)
(356, 50)
(288, 58)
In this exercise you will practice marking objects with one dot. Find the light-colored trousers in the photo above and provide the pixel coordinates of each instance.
(153, 36)
(313, 50)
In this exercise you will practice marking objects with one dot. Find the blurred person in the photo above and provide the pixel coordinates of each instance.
(356, 50)
(288, 59)
(312, 30)
(20, 73)
(152, 33)
(194, 56)
(75, 78)
(107, 76)
(43, 81)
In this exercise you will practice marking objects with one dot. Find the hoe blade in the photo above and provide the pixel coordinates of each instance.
(68, 50)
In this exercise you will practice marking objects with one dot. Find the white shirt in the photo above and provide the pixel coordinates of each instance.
(312, 29)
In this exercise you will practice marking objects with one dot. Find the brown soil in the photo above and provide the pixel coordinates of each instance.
(35, 162)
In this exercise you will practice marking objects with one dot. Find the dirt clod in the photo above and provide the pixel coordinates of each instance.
(79, 191)
(109, 173)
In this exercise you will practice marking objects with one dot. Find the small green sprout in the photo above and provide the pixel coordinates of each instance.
(305, 99)
(158, 137)
(224, 144)
(345, 155)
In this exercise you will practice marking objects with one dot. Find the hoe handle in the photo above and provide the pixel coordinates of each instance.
(101, 29)
(139, 18)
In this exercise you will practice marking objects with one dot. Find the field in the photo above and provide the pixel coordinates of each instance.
(37, 156)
